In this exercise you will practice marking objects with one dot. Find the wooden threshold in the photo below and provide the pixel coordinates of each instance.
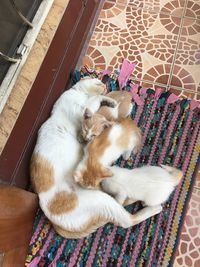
(50, 82)
(17, 212)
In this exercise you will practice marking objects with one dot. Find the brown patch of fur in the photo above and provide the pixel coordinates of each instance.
(99, 144)
(94, 174)
(129, 128)
(97, 121)
(136, 219)
(105, 112)
(94, 171)
(93, 126)
(62, 202)
(42, 174)
(91, 226)
(120, 95)
(124, 99)
(88, 228)
(124, 109)
(129, 201)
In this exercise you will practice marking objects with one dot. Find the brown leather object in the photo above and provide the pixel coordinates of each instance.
(17, 212)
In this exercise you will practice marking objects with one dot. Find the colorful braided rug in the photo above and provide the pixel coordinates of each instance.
(170, 128)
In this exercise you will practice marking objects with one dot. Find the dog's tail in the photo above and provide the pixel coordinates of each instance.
(175, 173)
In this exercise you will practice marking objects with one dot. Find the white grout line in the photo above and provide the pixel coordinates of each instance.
(178, 42)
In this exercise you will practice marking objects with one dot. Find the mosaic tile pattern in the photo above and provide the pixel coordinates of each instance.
(187, 60)
(163, 38)
(156, 5)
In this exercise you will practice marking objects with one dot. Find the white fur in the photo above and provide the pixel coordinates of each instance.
(113, 151)
(57, 143)
(149, 184)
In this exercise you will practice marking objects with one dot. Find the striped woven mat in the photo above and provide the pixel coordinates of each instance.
(171, 136)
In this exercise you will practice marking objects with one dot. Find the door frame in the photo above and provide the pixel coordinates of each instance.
(51, 81)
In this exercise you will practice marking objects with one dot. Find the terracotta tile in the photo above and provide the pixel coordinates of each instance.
(191, 27)
(112, 9)
(172, 24)
(184, 93)
(193, 9)
(158, 74)
(147, 84)
(188, 52)
(175, 7)
(187, 61)
(188, 252)
(94, 58)
(182, 78)
(87, 61)
(148, 5)
(145, 38)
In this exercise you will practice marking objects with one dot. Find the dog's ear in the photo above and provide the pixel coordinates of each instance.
(87, 114)
(106, 172)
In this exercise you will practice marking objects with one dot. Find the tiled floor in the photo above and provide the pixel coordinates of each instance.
(163, 38)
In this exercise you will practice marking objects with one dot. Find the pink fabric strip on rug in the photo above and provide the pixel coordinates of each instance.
(43, 249)
(177, 191)
(125, 72)
(153, 150)
(59, 253)
(170, 130)
(73, 259)
(138, 243)
(129, 230)
(41, 222)
(109, 246)
(133, 260)
(160, 160)
(94, 247)
(120, 259)
(142, 227)
(138, 114)
(183, 138)
(139, 240)
(138, 100)
(110, 239)
(147, 128)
